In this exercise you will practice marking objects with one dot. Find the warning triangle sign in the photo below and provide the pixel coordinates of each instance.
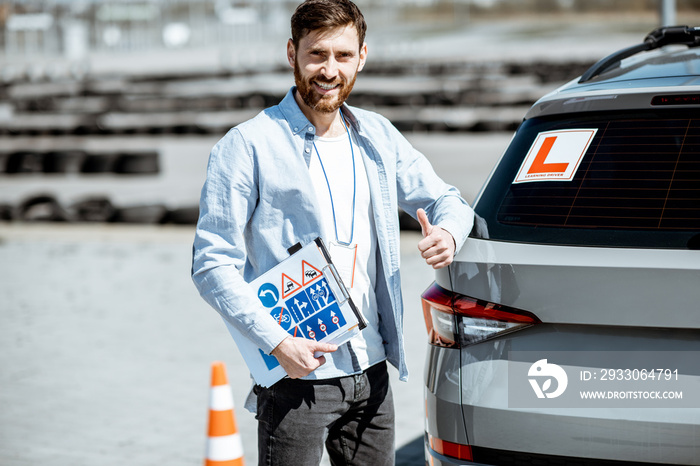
(289, 286)
(309, 273)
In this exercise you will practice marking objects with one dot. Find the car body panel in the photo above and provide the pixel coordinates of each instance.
(556, 282)
(625, 434)
(443, 396)
(629, 86)
(602, 99)
(645, 435)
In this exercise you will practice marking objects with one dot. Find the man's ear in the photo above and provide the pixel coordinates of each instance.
(291, 53)
(363, 57)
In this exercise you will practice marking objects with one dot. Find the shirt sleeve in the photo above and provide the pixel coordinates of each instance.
(228, 200)
(418, 186)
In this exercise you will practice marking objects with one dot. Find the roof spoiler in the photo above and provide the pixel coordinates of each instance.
(682, 35)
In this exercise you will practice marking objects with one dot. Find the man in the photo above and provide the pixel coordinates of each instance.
(313, 166)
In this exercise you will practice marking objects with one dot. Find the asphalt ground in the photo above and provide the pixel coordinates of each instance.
(106, 348)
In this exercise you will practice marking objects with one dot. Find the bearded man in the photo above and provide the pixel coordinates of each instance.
(313, 166)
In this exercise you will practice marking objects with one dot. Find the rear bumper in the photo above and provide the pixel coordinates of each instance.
(467, 402)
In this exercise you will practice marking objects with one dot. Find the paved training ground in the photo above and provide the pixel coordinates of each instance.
(106, 349)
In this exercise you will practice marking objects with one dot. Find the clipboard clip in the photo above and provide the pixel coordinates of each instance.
(339, 285)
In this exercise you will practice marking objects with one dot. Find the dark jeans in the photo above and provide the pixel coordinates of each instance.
(353, 416)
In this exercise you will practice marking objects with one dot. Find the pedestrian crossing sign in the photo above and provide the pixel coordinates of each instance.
(312, 303)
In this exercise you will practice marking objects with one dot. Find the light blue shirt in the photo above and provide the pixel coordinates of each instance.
(258, 200)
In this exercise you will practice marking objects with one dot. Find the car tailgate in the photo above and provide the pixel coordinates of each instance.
(582, 285)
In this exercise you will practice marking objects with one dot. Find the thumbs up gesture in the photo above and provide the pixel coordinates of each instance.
(437, 246)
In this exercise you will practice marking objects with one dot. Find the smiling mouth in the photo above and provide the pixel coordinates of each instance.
(327, 86)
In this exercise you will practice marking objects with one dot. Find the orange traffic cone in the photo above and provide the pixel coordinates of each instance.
(224, 446)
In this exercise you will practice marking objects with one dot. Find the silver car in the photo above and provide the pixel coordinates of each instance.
(567, 331)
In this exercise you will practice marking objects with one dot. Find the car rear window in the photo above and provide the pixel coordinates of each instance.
(613, 179)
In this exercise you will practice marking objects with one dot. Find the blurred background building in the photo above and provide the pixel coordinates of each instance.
(74, 29)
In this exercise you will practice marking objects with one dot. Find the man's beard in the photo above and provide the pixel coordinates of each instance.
(316, 101)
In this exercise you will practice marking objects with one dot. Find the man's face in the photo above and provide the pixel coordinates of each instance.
(326, 64)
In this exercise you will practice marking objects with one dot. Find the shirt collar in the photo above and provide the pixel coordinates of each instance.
(298, 121)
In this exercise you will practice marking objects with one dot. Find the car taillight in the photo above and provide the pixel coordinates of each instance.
(455, 450)
(454, 320)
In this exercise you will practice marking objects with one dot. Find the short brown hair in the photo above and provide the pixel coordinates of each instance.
(313, 15)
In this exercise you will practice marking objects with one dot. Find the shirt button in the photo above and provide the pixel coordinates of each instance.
(307, 150)
(296, 128)
(311, 128)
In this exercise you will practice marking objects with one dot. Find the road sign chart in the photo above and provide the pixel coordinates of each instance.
(307, 300)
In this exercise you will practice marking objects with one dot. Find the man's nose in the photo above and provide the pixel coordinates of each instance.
(330, 68)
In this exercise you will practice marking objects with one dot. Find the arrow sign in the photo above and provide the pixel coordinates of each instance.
(310, 332)
(325, 294)
(268, 294)
(300, 305)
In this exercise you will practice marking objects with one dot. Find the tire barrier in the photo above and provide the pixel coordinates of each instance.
(77, 161)
(41, 208)
(6, 213)
(98, 163)
(24, 162)
(143, 163)
(94, 209)
(173, 104)
(63, 161)
(183, 216)
(141, 214)
(44, 207)
(100, 209)
(408, 223)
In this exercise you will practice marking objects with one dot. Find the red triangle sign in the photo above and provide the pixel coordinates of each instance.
(289, 286)
(309, 273)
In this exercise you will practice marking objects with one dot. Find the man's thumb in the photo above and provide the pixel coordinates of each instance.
(425, 226)
(321, 348)
(325, 348)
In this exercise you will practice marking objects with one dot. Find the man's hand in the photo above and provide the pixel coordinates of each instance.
(437, 246)
(296, 355)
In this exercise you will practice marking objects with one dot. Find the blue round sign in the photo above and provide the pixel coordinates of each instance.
(283, 317)
(268, 294)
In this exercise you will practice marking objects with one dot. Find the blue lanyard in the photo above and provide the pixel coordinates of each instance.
(354, 187)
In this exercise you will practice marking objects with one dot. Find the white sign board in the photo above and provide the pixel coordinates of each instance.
(555, 155)
(306, 297)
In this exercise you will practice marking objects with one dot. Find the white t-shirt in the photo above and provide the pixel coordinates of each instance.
(337, 158)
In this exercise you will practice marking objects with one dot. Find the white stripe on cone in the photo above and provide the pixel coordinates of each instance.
(225, 448)
(221, 398)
